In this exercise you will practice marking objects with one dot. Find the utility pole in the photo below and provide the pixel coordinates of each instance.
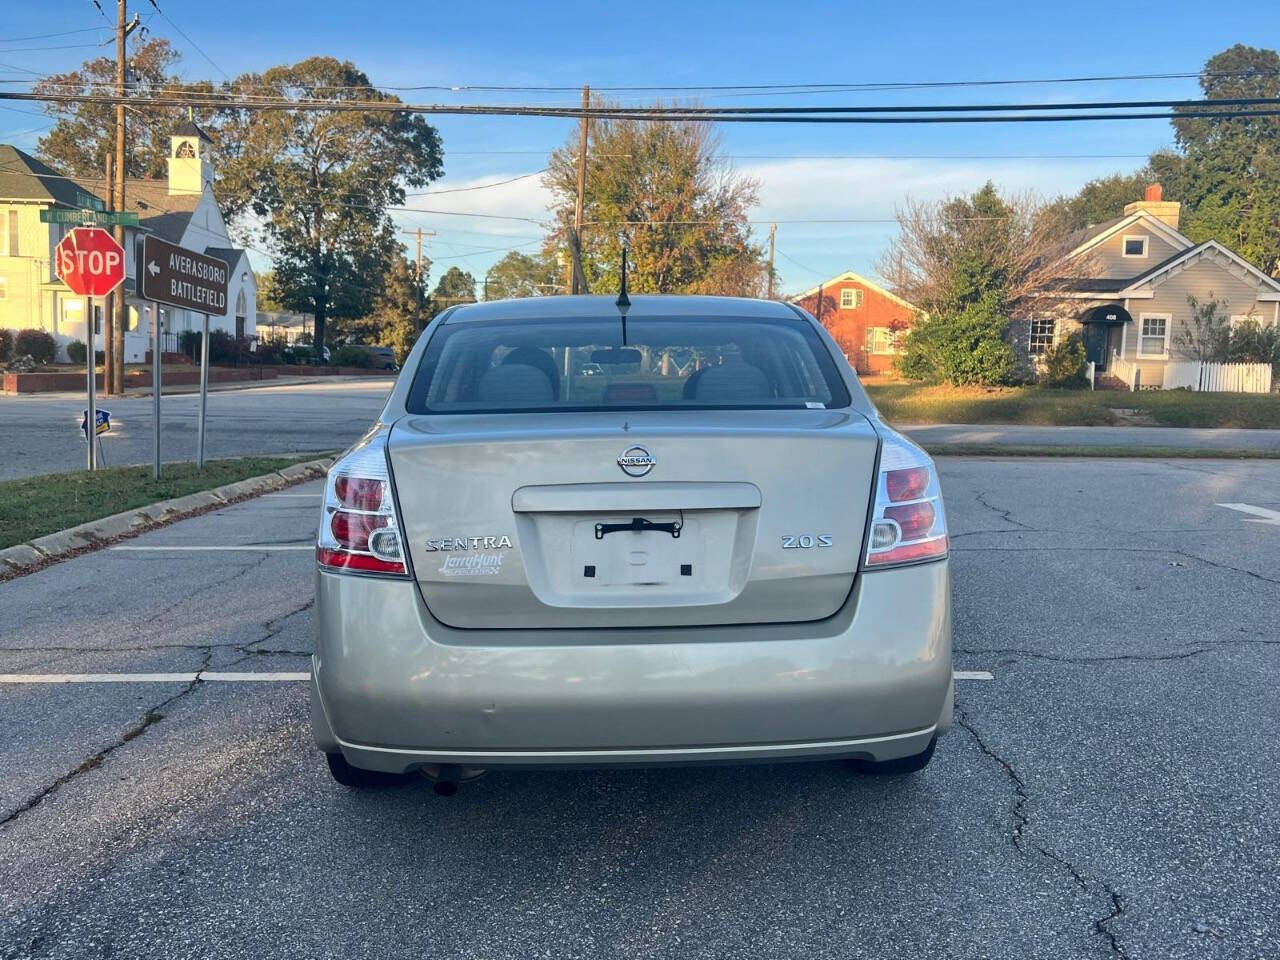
(572, 284)
(773, 230)
(108, 307)
(420, 233)
(114, 331)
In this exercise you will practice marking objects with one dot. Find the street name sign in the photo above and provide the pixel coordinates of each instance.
(182, 278)
(89, 261)
(89, 218)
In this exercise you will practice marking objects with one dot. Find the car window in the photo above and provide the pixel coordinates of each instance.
(497, 366)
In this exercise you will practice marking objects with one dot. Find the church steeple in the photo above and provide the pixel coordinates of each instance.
(190, 159)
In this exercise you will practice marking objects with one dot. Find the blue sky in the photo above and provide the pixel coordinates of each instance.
(805, 172)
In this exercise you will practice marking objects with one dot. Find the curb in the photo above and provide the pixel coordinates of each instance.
(28, 557)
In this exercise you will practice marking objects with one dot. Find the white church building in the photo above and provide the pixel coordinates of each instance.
(182, 209)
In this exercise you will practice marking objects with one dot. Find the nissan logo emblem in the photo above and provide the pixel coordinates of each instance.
(636, 461)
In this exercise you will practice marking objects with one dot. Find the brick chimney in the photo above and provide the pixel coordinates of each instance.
(1154, 204)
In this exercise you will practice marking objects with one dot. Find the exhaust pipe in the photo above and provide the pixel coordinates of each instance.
(446, 781)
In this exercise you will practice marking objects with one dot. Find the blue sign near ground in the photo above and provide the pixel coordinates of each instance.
(102, 422)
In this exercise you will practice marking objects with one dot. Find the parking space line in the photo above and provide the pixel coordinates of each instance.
(973, 675)
(187, 548)
(212, 676)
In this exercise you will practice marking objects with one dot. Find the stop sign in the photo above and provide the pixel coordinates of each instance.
(89, 261)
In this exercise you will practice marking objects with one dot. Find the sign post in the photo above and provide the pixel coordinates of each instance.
(204, 389)
(191, 281)
(91, 415)
(90, 262)
(156, 380)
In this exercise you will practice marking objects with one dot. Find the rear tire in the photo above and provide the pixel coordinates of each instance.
(350, 776)
(899, 766)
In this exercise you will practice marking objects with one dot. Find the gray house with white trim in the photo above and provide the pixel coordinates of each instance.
(1126, 284)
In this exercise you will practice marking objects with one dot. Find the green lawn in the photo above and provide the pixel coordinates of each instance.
(34, 506)
(905, 403)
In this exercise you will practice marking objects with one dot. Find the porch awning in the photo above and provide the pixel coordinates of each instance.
(1109, 313)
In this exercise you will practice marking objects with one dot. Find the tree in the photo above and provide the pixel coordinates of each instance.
(268, 294)
(84, 133)
(1101, 199)
(1206, 336)
(1227, 171)
(681, 204)
(970, 263)
(520, 275)
(320, 184)
(399, 312)
(456, 286)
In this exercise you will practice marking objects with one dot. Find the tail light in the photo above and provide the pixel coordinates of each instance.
(359, 528)
(908, 524)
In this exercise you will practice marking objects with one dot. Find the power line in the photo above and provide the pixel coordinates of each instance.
(48, 36)
(1189, 109)
(184, 36)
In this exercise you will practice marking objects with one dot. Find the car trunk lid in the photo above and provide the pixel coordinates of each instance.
(532, 521)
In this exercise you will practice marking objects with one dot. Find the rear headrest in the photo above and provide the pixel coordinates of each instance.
(515, 383)
(732, 383)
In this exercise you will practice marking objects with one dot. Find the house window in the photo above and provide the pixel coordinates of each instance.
(881, 340)
(1136, 247)
(850, 298)
(1042, 331)
(3, 288)
(13, 233)
(132, 325)
(1153, 336)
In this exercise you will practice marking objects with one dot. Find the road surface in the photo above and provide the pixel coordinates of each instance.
(1110, 792)
(40, 433)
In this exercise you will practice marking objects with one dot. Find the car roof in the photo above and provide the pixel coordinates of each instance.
(643, 306)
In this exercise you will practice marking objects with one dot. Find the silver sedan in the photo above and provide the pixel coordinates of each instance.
(709, 549)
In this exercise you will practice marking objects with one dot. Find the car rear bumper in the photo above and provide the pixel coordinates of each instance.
(394, 689)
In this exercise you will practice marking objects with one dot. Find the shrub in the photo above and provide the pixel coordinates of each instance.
(1254, 342)
(6, 344)
(37, 344)
(298, 353)
(76, 351)
(968, 347)
(269, 352)
(349, 355)
(189, 343)
(1064, 363)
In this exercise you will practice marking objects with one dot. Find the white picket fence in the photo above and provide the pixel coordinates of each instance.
(1125, 370)
(1218, 377)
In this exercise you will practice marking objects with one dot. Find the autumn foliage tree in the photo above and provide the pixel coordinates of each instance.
(319, 185)
(84, 133)
(681, 206)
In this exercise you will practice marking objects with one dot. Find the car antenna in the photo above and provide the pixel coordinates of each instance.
(623, 302)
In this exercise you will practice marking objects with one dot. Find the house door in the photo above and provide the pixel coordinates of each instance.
(1095, 344)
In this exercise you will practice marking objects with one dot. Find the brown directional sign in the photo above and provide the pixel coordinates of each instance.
(182, 278)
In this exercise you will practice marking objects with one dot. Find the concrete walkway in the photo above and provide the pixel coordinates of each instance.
(995, 434)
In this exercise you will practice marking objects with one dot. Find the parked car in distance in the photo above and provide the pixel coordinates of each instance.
(711, 550)
(384, 358)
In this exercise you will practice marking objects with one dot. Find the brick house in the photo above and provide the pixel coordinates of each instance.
(865, 319)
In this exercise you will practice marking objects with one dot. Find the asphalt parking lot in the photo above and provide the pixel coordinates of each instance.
(1110, 792)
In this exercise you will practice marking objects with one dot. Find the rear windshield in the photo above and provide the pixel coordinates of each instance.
(500, 366)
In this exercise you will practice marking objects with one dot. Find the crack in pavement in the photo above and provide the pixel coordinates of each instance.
(1022, 820)
(149, 719)
(1002, 514)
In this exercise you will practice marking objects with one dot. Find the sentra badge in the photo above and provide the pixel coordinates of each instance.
(469, 543)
